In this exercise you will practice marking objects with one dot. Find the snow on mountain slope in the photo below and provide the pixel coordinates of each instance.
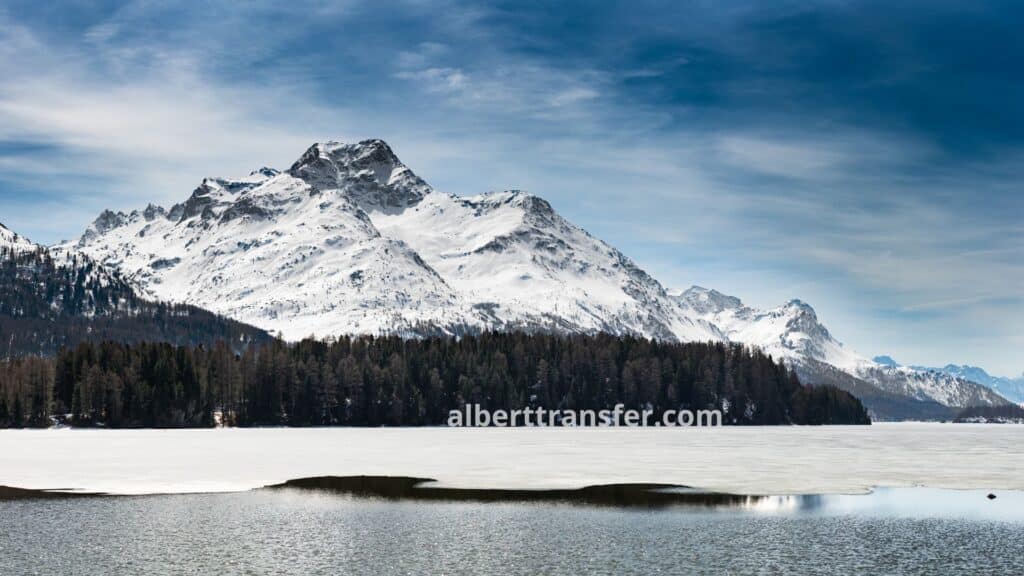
(510, 254)
(52, 298)
(66, 262)
(13, 241)
(793, 332)
(277, 252)
(349, 240)
(1010, 388)
(928, 384)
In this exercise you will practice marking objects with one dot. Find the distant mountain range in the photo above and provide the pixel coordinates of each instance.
(793, 333)
(349, 240)
(1009, 388)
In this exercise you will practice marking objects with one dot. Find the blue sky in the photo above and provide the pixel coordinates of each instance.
(865, 157)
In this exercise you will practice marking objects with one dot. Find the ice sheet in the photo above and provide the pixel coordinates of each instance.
(755, 460)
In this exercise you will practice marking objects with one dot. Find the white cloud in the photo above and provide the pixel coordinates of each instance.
(573, 96)
(819, 152)
(449, 80)
(789, 159)
(102, 32)
(425, 55)
(152, 133)
(503, 86)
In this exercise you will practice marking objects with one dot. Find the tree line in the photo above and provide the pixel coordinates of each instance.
(1003, 413)
(391, 381)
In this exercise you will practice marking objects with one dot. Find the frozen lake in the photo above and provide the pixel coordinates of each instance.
(763, 460)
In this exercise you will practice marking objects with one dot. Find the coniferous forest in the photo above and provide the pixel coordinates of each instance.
(51, 300)
(392, 381)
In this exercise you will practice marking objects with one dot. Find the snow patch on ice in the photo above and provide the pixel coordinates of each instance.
(744, 460)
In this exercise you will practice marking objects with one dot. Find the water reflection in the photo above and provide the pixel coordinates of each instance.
(313, 531)
(898, 503)
(886, 502)
(418, 489)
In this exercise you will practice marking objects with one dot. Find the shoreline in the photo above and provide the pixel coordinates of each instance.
(882, 502)
(407, 488)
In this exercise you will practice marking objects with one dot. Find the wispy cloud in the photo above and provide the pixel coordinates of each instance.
(448, 80)
(152, 130)
(779, 158)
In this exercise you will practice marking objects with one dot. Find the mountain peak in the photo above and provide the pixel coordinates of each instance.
(368, 171)
(265, 172)
(705, 300)
(108, 220)
(886, 361)
(150, 213)
(374, 149)
(801, 308)
(11, 239)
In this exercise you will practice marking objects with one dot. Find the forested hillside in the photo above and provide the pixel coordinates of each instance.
(392, 381)
(49, 300)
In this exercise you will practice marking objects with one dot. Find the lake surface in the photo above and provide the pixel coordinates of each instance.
(910, 531)
(919, 526)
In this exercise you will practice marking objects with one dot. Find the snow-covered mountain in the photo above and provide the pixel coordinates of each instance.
(1010, 388)
(512, 256)
(349, 240)
(12, 241)
(793, 332)
(279, 253)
